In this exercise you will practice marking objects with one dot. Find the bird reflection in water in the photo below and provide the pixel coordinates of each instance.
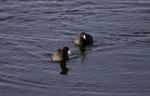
(82, 52)
(64, 68)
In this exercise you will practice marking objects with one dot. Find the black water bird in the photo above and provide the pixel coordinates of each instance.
(83, 39)
(61, 55)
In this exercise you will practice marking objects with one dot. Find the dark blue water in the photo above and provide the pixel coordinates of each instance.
(117, 64)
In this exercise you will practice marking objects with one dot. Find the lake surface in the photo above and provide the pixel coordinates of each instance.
(117, 64)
